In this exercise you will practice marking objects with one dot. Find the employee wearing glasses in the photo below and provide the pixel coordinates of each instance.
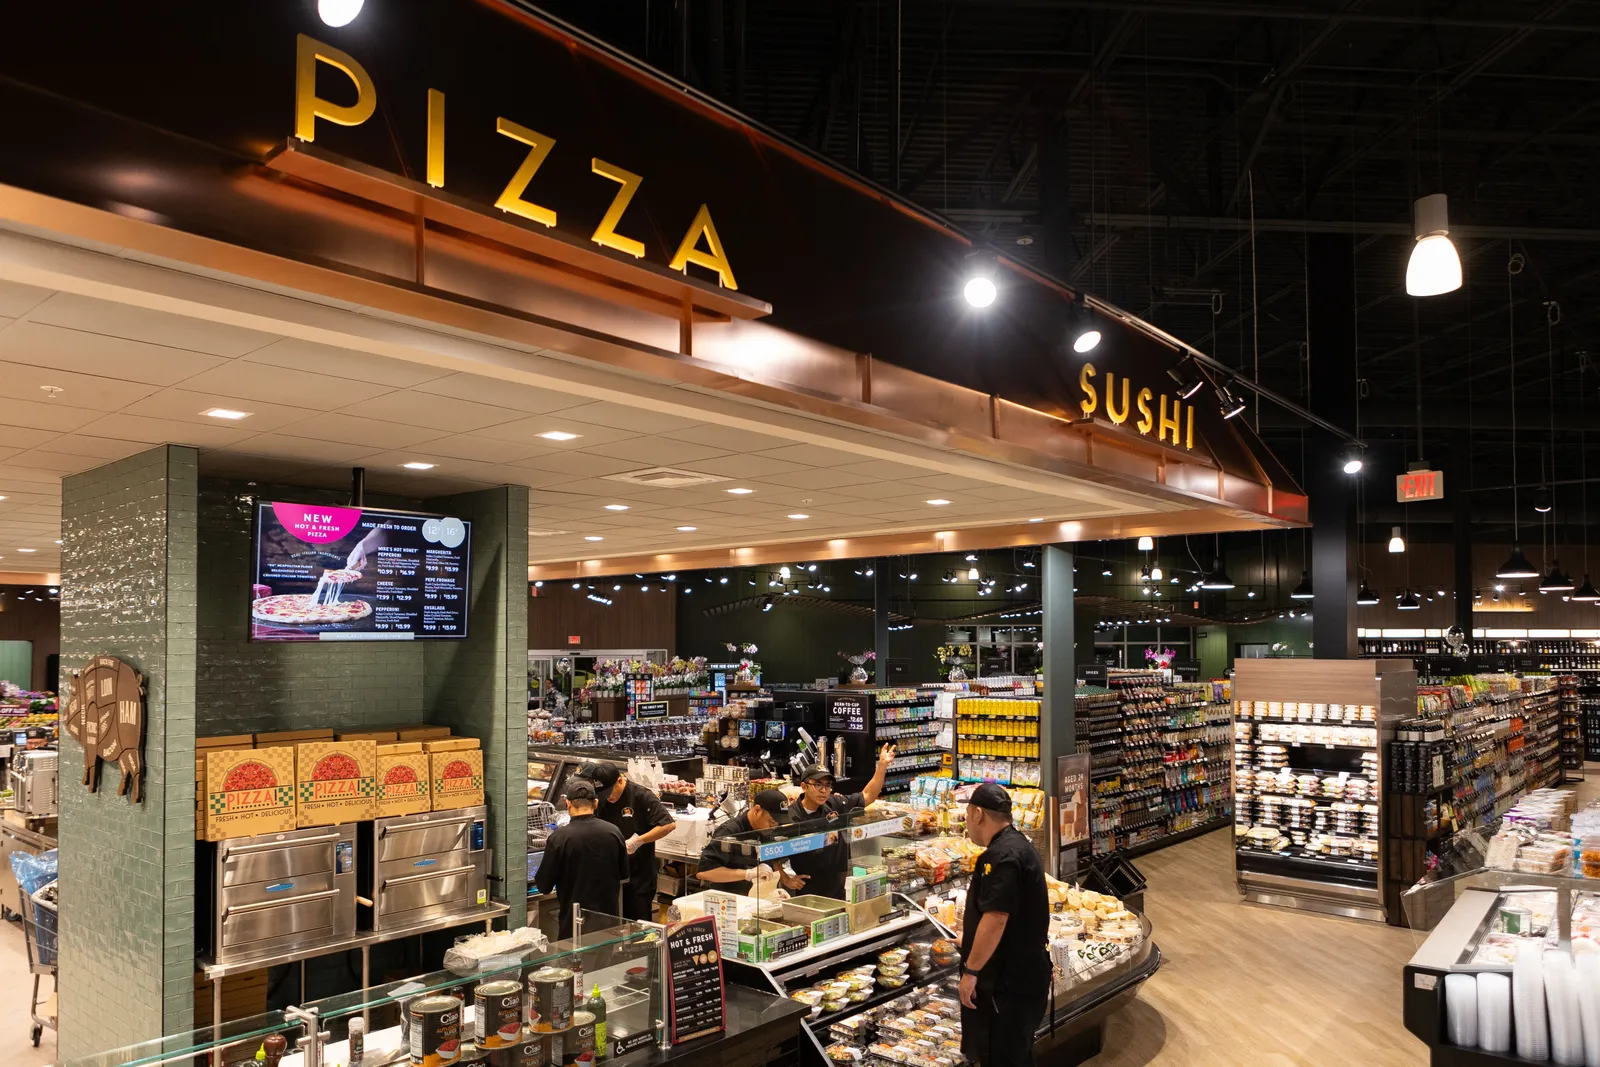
(819, 809)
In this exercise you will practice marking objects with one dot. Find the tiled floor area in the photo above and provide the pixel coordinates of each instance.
(16, 1047)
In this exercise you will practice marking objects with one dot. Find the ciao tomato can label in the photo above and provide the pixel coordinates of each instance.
(498, 1010)
(338, 781)
(550, 999)
(435, 1031)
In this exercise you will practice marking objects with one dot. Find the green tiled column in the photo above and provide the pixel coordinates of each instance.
(479, 687)
(127, 871)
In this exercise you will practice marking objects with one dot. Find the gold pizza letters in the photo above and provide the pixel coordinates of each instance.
(309, 107)
(606, 234)
(538, 147)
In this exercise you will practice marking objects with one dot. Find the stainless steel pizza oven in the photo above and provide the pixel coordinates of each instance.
(417, 867)
(281, 892)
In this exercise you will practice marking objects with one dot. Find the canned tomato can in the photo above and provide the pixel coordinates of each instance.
(498, 1006)
(580, 1039)
(506, 1055)
(550, 994)
(532, 1051)
(435, 1031)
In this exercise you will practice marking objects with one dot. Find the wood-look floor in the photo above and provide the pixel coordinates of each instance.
(1244, 985)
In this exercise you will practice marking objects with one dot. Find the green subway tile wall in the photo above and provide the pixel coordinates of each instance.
(127, 871)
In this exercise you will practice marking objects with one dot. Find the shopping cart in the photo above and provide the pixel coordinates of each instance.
(39, 928)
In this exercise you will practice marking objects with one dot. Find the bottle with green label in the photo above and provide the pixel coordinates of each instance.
(597, 1008)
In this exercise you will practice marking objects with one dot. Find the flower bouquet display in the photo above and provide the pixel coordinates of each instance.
(858, 665)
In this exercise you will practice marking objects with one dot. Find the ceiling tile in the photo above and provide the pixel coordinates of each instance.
(56, 462)
(748, 466)
(527, 431)
(143, 324)
(47, 415)
(583, 465)
(293, 354)
(24, 382)
(251, 380)
(887, 470)
(443, 413)
(626, 417)
(165, 431)
(472, 448)
(813, 455)
(24, 437)
(301, 449)
(728, 438)
(104, 449)
(186, 405)
(657, 451)
(348, 429)
(820, 478)
(528, 399)
(90, 353)
(17, 299)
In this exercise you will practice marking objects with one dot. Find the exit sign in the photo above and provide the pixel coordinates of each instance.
(1419, 485)
(574, 639)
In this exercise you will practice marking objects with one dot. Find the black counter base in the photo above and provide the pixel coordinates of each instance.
(761, 1029)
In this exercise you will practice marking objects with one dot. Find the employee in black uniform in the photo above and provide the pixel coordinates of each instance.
(729, 869)
(585, 861)
(642, 819)
(1005, 974)
(818, 809)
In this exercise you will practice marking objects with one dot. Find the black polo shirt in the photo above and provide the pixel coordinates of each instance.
(1009, 878)
(829, 866)
(733, 857)
(586, 862)
(637, 811)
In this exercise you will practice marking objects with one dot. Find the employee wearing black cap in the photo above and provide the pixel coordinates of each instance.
(1005, 974)
(729, 867)
(585, 861)
(642, 819)
(818, 809)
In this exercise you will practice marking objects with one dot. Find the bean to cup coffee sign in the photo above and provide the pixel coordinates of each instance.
(1419, 485)
(847, 713)
(694, 980)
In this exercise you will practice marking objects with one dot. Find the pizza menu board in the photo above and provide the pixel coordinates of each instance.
(358, 574)
(847, 713)
(694, 979)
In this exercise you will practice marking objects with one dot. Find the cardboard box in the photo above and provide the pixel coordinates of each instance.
(422, 733)
(294, 735)
(226, 741)
(403, 787)
(338, 781)
(452, 744)
(456, 778)
(868, 914)
(379, 736)
(399, 748)
(249, 791)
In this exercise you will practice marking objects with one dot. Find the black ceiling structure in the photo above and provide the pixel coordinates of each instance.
(1181, 160)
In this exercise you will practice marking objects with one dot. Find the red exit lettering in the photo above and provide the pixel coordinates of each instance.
(1419, 485)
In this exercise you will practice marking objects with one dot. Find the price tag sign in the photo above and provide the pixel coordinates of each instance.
(847, 713)
(696, 992)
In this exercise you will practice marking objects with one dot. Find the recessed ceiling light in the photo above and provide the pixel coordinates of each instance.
(1035, 520)
(799, 515)
(616, 507)
(938, 503)
(417, 466)
(741, 491)
(687, 529)
(592, 537)
(560, 435)
(27, 550)
(2, 498)
(226, 413)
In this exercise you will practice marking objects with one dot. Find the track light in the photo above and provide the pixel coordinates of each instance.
(1187, 376)
(1408, 602)
(1586, 592)
(1353, 463)
(1435, 266)
(1218, 578)
(980, 290)
(1303, 590)
(1107, 572)
(1396, 542)
(1227, 403)
(1083, 329)
(1365, 596)
(1144, 574)
(1541, 502)
(1517, 565)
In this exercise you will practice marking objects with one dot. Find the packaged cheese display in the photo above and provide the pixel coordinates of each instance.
(249, 791)
(338, 781)
(456, 778)
(403, 774)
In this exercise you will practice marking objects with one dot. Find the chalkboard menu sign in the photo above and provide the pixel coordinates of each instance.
(650, 709)
(847, 713)
(694, 980)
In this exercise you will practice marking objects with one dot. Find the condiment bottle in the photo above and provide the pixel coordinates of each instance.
(597, 1008)
(358, 1040)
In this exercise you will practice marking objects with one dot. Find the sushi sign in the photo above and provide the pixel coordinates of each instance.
(1419, 485)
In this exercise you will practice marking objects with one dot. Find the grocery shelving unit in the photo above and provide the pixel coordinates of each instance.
(1301, 850)
(1099, 733)
(905, 717)
(997, 740)
(1572, 732)
(1142, 701)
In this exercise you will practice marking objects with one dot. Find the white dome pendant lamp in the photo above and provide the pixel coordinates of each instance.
(1435, 266)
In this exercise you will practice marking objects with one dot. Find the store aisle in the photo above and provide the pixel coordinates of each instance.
(16, 1048)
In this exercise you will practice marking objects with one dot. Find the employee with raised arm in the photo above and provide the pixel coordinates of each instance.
(819, 809)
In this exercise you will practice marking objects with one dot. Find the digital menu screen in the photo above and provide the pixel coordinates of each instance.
(327, 573)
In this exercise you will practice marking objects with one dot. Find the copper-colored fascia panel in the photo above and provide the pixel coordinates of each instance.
(921, 542)
(29, 578)
(311, 164)
(1048, 452)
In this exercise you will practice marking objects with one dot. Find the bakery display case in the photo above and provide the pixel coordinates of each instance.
(1309, 781)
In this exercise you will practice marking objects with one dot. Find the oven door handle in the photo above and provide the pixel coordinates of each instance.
(408, 878)
(414, 827)
(262, 905)
(268, 846)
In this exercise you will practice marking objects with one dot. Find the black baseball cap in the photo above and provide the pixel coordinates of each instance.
(603, 775)
(772, 802)
(991, 797)
(579, 789)
(816, 773)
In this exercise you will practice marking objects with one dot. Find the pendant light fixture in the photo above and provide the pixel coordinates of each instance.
(1218, 578)
(1365, 596)
(1586, 593)
(1517, 565)
(1556, 580)
(1146, 543)
(1397, 544)
(1155, 573)
(1303, 590)
(1435, 266)
(1408, 602)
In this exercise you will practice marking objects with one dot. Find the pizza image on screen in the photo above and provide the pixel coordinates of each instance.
(300, 609)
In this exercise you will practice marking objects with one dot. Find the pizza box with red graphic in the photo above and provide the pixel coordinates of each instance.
(249, 791)
(403, 780)
(338, 781)
(457, 778)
